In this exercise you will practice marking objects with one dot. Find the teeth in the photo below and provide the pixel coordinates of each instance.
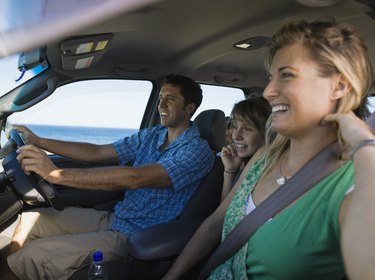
(241, 146)
(279, 108)
(163, 114)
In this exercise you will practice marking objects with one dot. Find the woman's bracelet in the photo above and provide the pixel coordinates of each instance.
(230, 172)
(363, 143)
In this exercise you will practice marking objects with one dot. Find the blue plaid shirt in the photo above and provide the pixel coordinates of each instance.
(186, 160)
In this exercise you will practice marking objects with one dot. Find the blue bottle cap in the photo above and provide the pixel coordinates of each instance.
(98, 256)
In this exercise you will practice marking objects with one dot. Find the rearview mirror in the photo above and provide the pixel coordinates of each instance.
(31, 59)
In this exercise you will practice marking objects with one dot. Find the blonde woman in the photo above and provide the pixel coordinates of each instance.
(319, 74)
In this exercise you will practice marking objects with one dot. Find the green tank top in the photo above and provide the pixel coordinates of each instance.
(302, 242)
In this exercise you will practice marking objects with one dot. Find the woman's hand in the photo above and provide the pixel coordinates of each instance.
(352, 129)
(231, 161)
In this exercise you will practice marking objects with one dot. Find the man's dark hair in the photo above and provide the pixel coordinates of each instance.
(190, 90)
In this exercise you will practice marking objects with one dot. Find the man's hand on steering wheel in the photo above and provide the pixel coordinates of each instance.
(32, 168)
(27, 135)
(33, 159)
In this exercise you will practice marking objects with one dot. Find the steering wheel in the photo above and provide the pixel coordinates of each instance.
(29, 186)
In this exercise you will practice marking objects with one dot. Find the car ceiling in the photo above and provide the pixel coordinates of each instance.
(195, 38)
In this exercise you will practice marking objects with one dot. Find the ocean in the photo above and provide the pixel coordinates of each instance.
(95, 135)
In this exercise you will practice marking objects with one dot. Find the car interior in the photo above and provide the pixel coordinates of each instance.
(70, 53)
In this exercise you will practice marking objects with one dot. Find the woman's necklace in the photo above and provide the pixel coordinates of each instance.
(282, 179)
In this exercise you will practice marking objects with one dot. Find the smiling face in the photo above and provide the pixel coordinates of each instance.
(173, 111)
(299, 96)
(246, 138)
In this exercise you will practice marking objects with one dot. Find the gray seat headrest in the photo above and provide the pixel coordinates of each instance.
(212, 127)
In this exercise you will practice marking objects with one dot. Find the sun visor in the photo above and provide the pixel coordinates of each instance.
(83, 52)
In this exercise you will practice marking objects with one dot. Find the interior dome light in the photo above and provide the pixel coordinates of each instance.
(318, 3)
(252, 43)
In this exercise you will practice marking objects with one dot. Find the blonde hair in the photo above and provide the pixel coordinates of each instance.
(337, 49)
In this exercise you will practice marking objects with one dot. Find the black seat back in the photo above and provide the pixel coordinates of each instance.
(212, 125)
(208, 195)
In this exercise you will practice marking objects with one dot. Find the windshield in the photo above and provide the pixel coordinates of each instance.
(11, 77)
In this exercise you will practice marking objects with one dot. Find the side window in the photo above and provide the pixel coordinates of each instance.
(218, 97)
(95, 111)
(371, 105)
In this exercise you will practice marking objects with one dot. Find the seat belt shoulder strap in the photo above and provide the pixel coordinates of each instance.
(323, 164)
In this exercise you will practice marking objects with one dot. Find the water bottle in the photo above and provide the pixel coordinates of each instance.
(97, 269)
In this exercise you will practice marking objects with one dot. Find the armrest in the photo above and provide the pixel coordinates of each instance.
(162, 241)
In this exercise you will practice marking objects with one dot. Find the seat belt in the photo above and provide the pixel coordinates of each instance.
(315, 170)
